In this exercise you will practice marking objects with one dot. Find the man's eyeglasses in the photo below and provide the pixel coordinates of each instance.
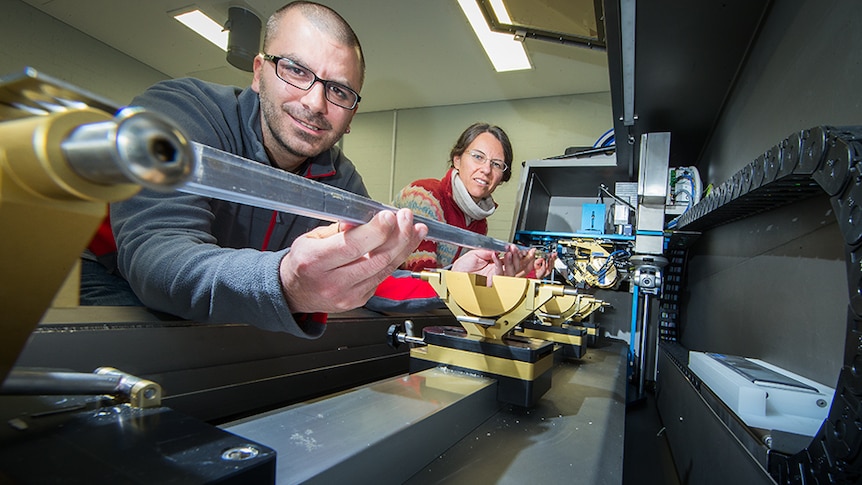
(480, 159)
(301, 77)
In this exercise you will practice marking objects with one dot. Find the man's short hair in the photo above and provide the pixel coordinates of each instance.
(325, 19)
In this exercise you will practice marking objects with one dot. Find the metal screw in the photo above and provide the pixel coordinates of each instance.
(821, 403)
(240, 453)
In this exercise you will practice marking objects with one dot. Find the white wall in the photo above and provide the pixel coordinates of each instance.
(28, 37)
(392, 149)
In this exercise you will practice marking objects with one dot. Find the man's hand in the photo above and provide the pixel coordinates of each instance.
(337, 267)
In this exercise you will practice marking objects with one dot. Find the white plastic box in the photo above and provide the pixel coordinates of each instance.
(763, 395)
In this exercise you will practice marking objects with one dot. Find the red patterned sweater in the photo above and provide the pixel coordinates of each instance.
(433, 199)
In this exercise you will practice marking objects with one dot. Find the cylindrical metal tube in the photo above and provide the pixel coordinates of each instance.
(488, 322)
(136, 146)
(49, 383)
(410, 339)
(243, 42)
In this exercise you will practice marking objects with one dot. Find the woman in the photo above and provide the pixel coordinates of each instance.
(480, 161)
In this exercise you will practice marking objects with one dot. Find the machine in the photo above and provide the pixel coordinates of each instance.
(562, 321)
(486, 345)
(619, 248)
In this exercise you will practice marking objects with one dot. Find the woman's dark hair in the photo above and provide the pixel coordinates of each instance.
(477, 129)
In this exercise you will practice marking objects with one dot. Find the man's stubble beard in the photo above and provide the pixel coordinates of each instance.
(275, 122)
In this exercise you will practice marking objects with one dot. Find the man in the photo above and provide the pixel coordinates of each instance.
(215, 261)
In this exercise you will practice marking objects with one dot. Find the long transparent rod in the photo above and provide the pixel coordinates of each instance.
(225, 176)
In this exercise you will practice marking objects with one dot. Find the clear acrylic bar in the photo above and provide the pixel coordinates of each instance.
(225, 176)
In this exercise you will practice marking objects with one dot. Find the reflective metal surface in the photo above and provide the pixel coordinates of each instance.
(573, 435)
(380, 433)
(436, 427)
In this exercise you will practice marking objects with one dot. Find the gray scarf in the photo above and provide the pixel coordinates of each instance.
(474, 211)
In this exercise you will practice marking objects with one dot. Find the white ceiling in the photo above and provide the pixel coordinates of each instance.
(418, 52)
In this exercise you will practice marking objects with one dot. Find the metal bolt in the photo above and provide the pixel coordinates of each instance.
(240, 453)
(821, 403)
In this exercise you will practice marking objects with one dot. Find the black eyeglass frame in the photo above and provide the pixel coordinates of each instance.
(326, 82)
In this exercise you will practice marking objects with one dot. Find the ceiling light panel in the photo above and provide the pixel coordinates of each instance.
(505, 53)
(206, 27)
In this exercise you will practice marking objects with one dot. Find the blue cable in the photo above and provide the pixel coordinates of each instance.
(599, 142)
